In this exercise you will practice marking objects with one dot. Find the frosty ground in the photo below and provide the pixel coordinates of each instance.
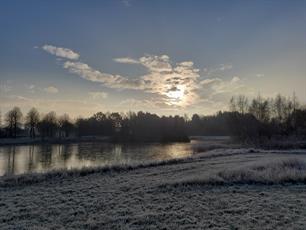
(218, 189)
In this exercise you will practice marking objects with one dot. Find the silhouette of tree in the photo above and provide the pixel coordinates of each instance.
(48, 125)
(13, 120)
(260, 108)
(263, 117)
(65, 125)
(232, 104)
(242, 104)
(31, 121)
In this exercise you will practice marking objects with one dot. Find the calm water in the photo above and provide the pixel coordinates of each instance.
(42, 158)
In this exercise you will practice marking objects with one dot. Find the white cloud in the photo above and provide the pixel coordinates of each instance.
(113, 81)
(172, 85)
(218, 88)
(51, 89)
(161, 78)
(61, 52)
(98, 95)
(126, 60)
(235, 79)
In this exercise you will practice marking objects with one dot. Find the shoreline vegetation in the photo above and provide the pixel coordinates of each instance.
(31, 141)
(292, 142)
(256, 122)
(69, 140)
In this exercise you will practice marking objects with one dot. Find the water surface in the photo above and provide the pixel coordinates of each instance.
(42, 158)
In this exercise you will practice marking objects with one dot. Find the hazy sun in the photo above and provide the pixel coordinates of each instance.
(177, 95)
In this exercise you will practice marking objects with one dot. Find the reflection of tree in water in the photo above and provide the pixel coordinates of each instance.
(65, 152)
(11, 160)
(31, 164)
(116, 155)
(95, 151)
(45, 155)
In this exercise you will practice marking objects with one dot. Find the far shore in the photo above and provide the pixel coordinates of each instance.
(39, 140)
(290, 142)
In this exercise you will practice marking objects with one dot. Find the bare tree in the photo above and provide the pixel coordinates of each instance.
(242, 104)
(296, 106)
(65, 125)
(48, 125)
(295, 102)
(279, 108)
(232, 104)
(32, 120)
(260, 108)
(13, 120)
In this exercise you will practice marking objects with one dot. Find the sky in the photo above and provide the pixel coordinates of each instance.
(162, 56)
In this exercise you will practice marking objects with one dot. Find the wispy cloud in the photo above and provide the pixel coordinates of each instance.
(51, 89)
(217, 91)
(218, 70)
(126, 60)
(174, 85)
(61, 52)
(113, 81)
(98, 95)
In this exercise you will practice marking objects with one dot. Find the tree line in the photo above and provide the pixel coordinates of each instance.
(254, 119)
(246, 119)
(119, 126)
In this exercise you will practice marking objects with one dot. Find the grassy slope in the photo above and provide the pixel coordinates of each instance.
(174, 195)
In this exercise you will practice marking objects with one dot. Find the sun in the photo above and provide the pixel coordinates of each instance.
(177, 95)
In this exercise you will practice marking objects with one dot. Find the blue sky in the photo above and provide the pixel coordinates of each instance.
(208, 50)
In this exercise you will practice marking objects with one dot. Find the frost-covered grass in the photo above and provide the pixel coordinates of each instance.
(290, 170)
(32, 178)
(143, 196)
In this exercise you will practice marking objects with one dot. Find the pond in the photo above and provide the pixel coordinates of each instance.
(42, 158)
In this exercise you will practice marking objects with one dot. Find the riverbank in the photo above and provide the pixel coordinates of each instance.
(219, 189)
(68, 140)
(38, 140)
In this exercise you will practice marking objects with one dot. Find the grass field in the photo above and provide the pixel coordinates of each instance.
(218, 189)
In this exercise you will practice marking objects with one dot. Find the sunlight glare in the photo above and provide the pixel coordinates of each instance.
(177, 94)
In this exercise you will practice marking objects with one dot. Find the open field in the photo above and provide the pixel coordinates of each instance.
(219, 189)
